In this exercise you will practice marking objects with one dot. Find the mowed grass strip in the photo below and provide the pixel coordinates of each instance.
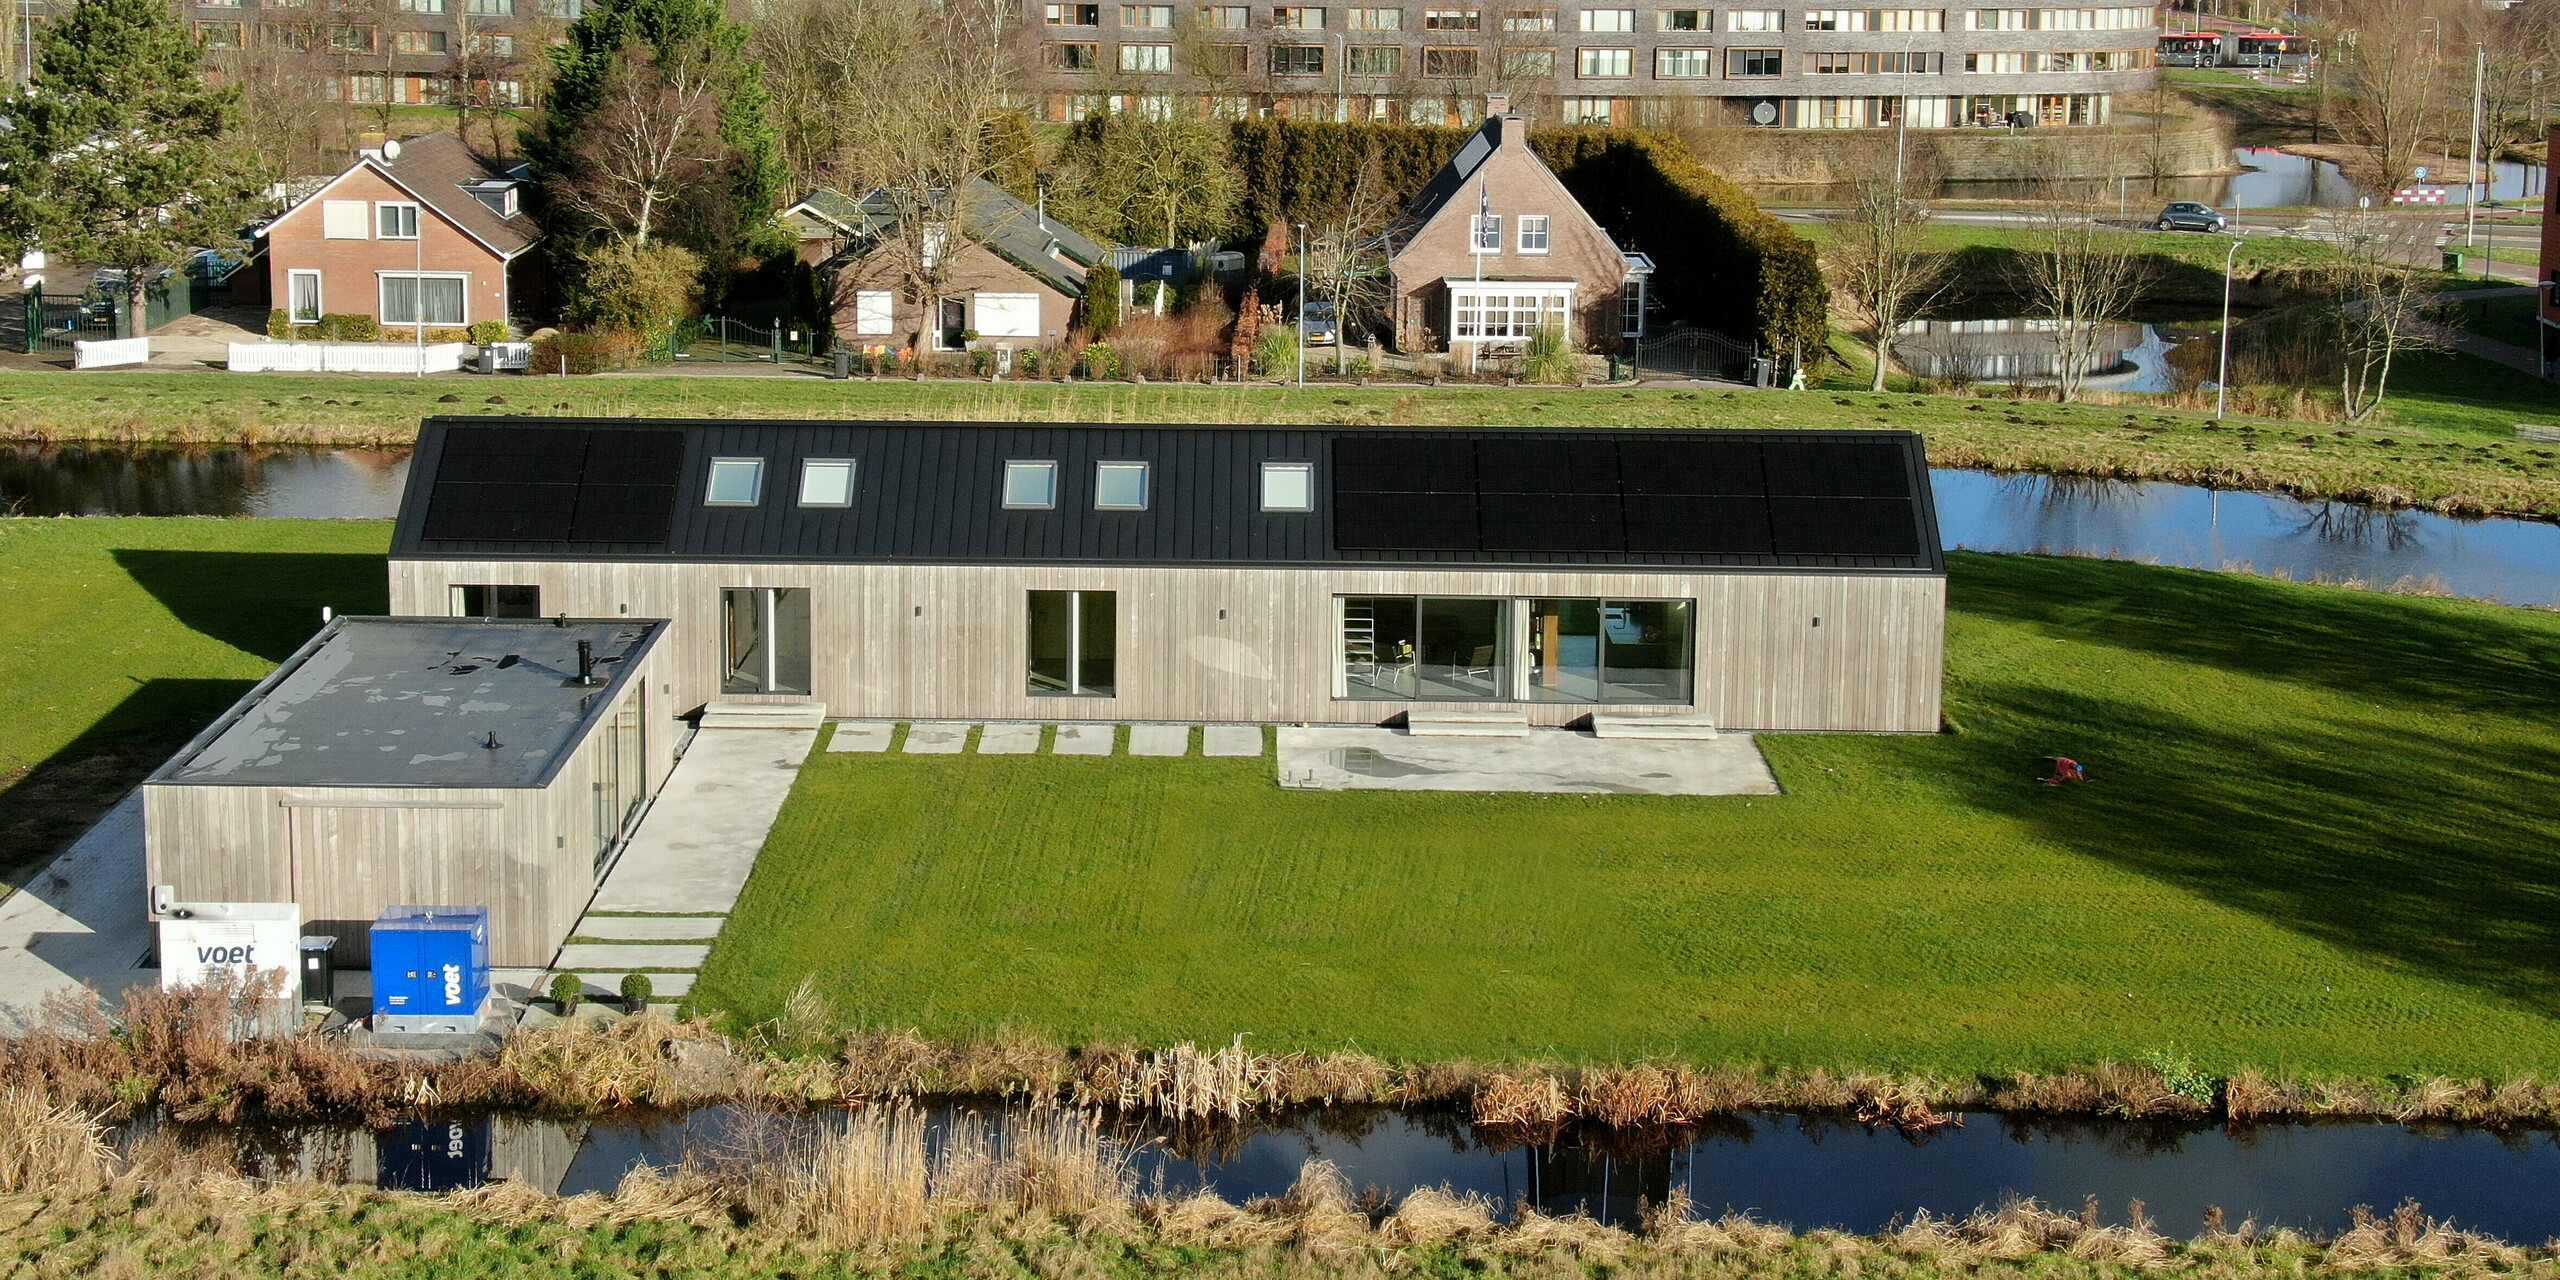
(2317, 838)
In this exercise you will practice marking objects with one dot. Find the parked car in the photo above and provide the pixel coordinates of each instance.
(1321, 327)
(2187, 215)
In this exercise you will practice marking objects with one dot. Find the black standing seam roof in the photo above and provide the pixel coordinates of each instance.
(932, 493)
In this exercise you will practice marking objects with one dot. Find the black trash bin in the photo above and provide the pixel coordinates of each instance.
(844, 363)
(1764, 372)
(319, 970)
(488, 358)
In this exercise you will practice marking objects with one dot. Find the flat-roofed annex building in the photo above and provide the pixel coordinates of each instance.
(409, 760)
(1770, 580)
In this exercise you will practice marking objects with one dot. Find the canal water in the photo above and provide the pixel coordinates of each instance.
(1801, 1171)
(2517, 561)
(2268, 179)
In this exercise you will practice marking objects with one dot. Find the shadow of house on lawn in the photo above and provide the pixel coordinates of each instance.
(261, 602)
(2409, 820)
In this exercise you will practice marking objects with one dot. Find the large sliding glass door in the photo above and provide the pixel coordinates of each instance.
(1424, 648)
(1073, 643)
(765, 639)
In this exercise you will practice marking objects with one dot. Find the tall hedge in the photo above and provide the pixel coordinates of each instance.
(1720, 260)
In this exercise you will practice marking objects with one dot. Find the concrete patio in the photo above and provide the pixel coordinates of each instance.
(1561, 761)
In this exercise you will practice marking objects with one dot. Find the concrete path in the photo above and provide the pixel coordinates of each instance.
(1159, 739)
(1083, 740)
(1009, 740)
(670, 892)
(1231, 740)
(1541, 760)
(79, 920)
(938, 737)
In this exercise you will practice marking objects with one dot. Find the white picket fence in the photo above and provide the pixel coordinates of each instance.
(347, 357)
(111, 351)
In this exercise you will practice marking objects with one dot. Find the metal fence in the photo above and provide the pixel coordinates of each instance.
(1693, 353)
(53, 321)
(718, 339)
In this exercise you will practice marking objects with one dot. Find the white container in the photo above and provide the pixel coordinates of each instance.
(245, 940)
(111, 351)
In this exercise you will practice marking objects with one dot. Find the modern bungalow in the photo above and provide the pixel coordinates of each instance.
(1495, 249)
(1765, 580)
(1014, 279)
(425, 223)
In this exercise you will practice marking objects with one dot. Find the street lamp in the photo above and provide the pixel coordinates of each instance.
(2222, 369)
(1302, 306)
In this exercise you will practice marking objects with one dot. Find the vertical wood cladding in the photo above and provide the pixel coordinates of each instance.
(949, 641)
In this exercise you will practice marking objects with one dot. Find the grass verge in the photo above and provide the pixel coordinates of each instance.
(123, 637)
(2315, 844)
(2454, 451)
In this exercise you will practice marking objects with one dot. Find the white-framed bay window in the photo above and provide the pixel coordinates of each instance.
(446, 296)
(1508, 310)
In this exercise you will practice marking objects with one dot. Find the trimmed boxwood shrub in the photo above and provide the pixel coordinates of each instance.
(567, 989)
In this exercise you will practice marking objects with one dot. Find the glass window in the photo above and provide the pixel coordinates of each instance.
(218, 35)
(735, 482)
(1377, 19)
(1288, 486)
(1425, 647)
(1119, 486)
(1686, 19)
(1609, 650)
(1146, 15)
(1070, 57)
(1528, 62)
(1220, 59)
(304, 288)
(418, 41)
(349, 39)
(1146, 58)
(491, 8)
(1073, 643)
(1604, 64)
(493, 601)
(1030, 486)
(396, 221)
(765, 632)
(1757, 20)
(1529, 20)
(1073, 15)
(421, 6)
(1746, 64)
(1376, 60)
(1298, 18)
(1533, 233)
(1297, 59)
(826, 482)
(1449, 63)
(1488, 232)
(1452, 19)
(1684, 64)
(403, 293)
(1225, 17)
(1608, 19)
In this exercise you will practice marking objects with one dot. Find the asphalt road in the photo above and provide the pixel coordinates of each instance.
(2247, 224)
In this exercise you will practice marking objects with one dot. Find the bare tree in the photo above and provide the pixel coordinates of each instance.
(2390, 98)
(2377, 301)
(1346, 258)
(288, 117)
(1879, 252)
(1181, 182)
(2079, 275)
(653, 146)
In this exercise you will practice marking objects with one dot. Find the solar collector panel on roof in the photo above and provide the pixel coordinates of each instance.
(517, 484)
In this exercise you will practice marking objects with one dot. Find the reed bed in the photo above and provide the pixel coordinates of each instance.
(175, 1053)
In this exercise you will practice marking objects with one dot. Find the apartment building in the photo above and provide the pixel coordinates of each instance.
(370, 51)
(1435, 62)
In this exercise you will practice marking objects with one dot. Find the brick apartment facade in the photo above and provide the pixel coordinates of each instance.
(434, 222)
(373, 51)
(1435, 62)
(1462, 278)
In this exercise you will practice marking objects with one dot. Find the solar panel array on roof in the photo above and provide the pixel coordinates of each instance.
(556, 485)
(1620, 495)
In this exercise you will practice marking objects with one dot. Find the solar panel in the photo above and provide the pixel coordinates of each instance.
(1547, 466)
(1843, 527)
(1693, 466)
(1816, 468)
(1699, 526)
(1553, 522)
(550, 484)
(1405, 522)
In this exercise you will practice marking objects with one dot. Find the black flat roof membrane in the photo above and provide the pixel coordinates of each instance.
(932, 492)
(414, 702)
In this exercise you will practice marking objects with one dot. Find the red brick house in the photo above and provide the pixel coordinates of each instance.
(1014, 279)
(422, 220)
(1495, 248)
(2549, 275)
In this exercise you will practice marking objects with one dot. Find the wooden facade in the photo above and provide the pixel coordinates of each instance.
(1241, 644)
(530, 854)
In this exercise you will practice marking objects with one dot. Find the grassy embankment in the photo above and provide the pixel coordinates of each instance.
(2449, 442)
(2315, 844)
(123, 637)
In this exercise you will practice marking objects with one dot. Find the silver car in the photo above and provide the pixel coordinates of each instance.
(2188, 215)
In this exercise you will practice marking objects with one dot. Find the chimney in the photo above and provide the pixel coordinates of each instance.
(1497, 104)
(370, 145)
(587, 677)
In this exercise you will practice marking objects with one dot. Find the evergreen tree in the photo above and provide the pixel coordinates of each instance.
(584, 67)
(120, 155)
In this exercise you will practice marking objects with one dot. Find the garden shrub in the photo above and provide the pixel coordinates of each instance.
(580, 353)
(567, 990)
(1275, 350)
(485, 332)
(349, 327)
(635, 992)
(1027, 362)
(1101, 306)
(279, 324)
(1547, 359)
(982, 361)
(1100, 361)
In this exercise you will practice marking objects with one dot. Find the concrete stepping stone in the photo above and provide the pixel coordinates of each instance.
(608, 986)
(1159, 739)
(1009, 740)
(861, 735)
(1231, 740)
(651, 928)
(938, 737)
(578, 957)
(1082, 740)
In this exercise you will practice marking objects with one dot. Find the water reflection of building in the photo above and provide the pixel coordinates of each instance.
(2004, 350)
(1615, 1189)
(422, 1155)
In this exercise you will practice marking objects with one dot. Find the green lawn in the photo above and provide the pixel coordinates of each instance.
(2319, 836)
(121, 638)
(2509, 320)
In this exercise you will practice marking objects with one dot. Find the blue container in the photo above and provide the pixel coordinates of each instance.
(433, 1155)
(430, 969)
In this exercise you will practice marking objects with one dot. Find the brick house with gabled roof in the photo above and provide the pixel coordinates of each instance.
(1538, 259)
(1015, 278)
(425, 217)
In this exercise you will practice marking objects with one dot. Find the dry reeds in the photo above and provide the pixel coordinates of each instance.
(48, 1146)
